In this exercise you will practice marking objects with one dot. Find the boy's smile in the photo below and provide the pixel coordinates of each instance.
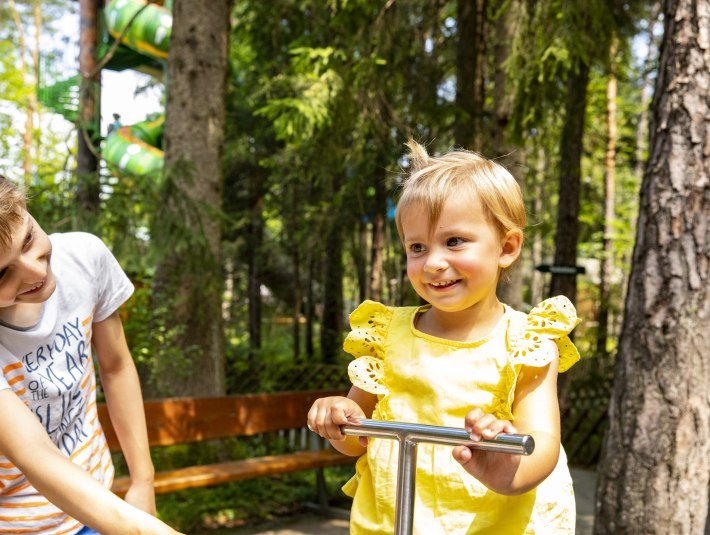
(25, 273)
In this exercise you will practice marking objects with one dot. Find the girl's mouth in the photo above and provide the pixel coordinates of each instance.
(444, 284)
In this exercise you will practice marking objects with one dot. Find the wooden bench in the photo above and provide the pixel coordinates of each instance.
(175, 421)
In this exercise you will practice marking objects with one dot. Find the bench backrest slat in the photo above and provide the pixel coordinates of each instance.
(182, 420)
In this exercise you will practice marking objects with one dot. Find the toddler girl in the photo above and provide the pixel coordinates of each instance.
(462, 360)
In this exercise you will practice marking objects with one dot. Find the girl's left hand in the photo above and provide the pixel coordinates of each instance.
(495, 470)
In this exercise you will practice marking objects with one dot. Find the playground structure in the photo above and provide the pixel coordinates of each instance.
(144, 28)
(143, 31)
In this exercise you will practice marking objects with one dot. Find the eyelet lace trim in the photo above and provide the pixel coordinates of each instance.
(369, 323)
(367, 374)
(553, 319)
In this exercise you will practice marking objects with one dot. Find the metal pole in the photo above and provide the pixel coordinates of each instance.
(409, 436)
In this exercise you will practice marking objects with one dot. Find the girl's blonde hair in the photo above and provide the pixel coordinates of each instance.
(433, 180)
(12, 209)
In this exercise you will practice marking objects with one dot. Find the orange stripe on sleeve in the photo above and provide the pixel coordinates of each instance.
(11, 367)
(23, 504)
(67, 520)
(10, 477)
(73, 527)
(16, 379)
(17, 489)
(23, 518)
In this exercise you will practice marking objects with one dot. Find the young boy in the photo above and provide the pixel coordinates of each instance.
(59, 296)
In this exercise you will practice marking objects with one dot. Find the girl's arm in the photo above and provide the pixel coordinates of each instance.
(328, 414)
(119, 379)
(536, 412)
(26, 444)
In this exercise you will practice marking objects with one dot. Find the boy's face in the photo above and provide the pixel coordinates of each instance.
(25, 273)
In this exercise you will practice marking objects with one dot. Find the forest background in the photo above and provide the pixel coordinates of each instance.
(284, 147)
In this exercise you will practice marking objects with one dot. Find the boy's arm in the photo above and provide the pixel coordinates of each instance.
(119, 379)
(61, 481)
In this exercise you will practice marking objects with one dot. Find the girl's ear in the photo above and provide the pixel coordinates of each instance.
(512, 245)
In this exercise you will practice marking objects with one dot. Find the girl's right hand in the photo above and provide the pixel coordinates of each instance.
(328, 414)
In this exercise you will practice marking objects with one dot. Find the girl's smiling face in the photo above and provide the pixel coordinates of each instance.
(25, 272)
(455, 264)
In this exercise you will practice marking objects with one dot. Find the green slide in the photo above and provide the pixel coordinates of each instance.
(135, 149)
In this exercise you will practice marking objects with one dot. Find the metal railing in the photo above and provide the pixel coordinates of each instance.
(409, 435)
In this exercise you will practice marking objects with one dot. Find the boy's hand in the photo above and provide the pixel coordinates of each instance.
(142, 496)
(328, 414)
(495, 470)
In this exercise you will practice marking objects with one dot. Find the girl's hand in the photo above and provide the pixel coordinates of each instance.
(328, 414)
(495, 470)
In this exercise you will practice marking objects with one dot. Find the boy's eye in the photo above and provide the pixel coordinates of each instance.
(28, 239)
(2, 273)
(453, 242)
(416, 248)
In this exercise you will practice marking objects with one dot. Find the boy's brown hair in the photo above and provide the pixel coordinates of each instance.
(12, 208)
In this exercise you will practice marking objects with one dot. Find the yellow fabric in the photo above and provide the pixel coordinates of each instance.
(425, 379)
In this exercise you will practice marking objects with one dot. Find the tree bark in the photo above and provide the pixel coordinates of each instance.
(332, 321)
(468, 63)
(87, 163)
(378, 236)
(188, 278)
(510, 288)
(607, 263)
(255, 240)
(569, 181)
(655, 470)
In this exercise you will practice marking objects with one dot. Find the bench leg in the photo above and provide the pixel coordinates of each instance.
(322, 489)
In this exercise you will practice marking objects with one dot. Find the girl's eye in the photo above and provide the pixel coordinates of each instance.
(453, 242)
(2, 273)
(416, 247)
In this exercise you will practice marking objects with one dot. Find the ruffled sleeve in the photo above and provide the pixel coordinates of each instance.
(553, 319)
(369, 323)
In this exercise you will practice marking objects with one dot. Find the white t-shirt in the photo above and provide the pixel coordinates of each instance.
(50, 367)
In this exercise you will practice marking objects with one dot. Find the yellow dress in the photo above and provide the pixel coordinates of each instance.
(429, 380)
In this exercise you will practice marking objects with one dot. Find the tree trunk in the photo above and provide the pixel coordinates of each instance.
(332, 323)
(188, 278)
(537, 286)
(378, 236)
(255, 241)
(571, 146)
(607, 263)
(31, 104)
(510, 288)
(655, 470)
(87, 163)
(468, 86)
(310, 306)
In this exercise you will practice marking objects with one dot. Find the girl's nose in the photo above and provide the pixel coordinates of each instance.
(435, 262)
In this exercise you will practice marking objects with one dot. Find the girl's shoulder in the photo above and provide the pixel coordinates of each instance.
(535, 338)
(371, 324)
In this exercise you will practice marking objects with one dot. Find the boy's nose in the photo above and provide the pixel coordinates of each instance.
(35, 268)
